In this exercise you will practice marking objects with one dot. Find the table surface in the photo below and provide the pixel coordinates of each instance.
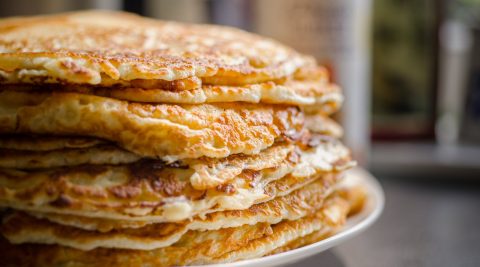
(425, 223)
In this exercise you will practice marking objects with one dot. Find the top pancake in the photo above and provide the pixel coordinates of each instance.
(107, 48)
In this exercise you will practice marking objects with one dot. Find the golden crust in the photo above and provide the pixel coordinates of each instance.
(289, 234)
(354, 196)
(150, 190)
(98, 47)
(306, 240)
(315, 153)
(148, 129)
(195, 247)
(319, 95)
(22, 228)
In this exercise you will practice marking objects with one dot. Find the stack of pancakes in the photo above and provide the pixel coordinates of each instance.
(127, 141)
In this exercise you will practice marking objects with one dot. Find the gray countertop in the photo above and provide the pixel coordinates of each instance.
(425, 223)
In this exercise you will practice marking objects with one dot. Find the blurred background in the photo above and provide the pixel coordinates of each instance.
(410, 71)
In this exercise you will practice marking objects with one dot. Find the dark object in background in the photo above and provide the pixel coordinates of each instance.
(470, 128)
(134, 6)
(405, 52)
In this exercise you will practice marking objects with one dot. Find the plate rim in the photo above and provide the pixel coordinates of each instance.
(355, 225)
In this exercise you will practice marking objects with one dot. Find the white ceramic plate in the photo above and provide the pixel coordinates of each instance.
(355, 225)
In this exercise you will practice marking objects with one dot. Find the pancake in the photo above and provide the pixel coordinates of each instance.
(103, 48)
(148, 130)
(306, 240)
(320, 124)
(209, 172)
(23, 228)
(46, 143)
(321, 96)
(98, 155)
(151, 190)
(195, 247)
(313, 152)
(353, 192)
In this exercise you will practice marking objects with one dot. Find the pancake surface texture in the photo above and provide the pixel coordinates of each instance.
(148, 130)
(129, 141)
(315, 94)
(22, 228)
(106, 48)
(156, 191)
(195, 247)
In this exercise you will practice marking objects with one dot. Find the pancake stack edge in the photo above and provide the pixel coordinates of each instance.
(136, 142)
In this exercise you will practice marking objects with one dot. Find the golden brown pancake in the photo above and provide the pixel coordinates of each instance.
(106, 48)
(195, 247)
(23, 228)
(46, 143)
(318, 95)
(128, 141)
(150, 190)
(320, 124)
(321, 152)
(95, 155)
(149, 129)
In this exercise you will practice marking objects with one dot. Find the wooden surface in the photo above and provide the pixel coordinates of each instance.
(429, 223)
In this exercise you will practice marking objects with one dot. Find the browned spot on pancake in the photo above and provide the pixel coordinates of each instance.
(62, 202)
(226, 188)
(169, 185)
(73, 67)
(177, 85)
(146, 169)
(128, 191)
(91, 170)
(251, 175)
(294, 156)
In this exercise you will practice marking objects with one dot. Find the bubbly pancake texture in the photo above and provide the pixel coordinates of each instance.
(23, 228)
(100, 47)
(147, 129)
(194, 247)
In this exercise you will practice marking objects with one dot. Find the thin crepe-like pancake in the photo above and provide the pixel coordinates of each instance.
(150, 190)
(320, 95)
(22, 228)
(102, 48)
(318, 123)
(352, 191)
(46, 143)
(322, 153)
(98, 155)
(209, 172)
(167, 131)
(306, 240)
(195, 247)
